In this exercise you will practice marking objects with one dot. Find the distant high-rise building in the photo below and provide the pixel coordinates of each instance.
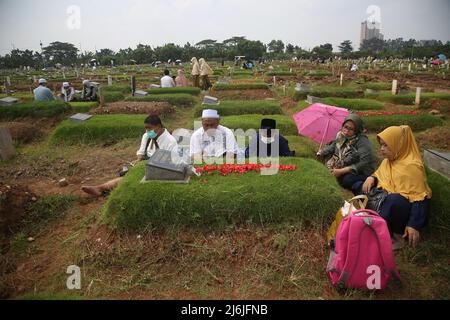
(370, 30)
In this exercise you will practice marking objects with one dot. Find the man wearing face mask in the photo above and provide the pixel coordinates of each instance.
(212, 140)
(268, 142)
(155, 137)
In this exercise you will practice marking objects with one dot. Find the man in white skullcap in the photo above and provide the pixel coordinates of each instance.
(89, 91)
(67, 92)
(42, 93)
(212, 140)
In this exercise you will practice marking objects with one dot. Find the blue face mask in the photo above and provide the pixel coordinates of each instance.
(152, 134)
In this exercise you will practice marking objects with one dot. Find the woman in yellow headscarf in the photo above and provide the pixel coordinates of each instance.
(402, 176)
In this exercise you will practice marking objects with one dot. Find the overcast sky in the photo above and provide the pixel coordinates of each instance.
(121, 24)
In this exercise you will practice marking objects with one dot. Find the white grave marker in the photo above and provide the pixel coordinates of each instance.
(418, 93)
(394, 87)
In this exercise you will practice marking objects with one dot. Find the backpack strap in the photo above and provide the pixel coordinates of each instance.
(386, 252)
(352, 252)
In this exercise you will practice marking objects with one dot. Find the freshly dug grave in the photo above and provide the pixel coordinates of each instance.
(128, 107)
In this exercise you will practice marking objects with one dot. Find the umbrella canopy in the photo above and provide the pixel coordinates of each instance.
(442, 57)
(320, 122)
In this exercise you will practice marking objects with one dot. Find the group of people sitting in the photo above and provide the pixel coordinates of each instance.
(400, 176)
(176, 81)
(211, 140)
(68, 92)
(349, 158)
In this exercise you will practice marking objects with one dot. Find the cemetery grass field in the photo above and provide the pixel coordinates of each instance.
(235, 237)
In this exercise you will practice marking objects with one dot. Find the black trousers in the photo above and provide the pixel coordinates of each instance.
(350, 181)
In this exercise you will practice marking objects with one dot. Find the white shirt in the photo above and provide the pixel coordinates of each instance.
(167, 82)
(165, 141)
(222, 141)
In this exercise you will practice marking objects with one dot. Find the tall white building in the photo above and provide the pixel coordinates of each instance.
(370, 30)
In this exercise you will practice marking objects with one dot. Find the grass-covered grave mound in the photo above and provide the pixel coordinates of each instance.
(308, 194)
(99, 129)
(285, 124)
(236, 107)
(44, 109)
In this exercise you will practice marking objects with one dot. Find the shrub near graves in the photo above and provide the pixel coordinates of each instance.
(416, 122)
(99, 129)
(407, 99)
(285, 124)
(240, 86)
(178, 99)
(34, 110)
(440, 201)
(113, 96)
(187, 90)
(329, 91)
(235, 107)
(83, 107)
(354, 104)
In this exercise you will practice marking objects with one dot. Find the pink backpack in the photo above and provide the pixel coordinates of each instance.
(362, 257)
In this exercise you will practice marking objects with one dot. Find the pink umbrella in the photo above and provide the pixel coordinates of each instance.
(320, 122)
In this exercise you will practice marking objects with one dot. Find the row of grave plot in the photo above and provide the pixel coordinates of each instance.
(307, 195)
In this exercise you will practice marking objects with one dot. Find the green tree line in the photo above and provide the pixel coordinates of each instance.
(67, 54)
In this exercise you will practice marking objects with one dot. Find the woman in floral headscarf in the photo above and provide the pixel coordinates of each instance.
(349, 157)
(402, 176)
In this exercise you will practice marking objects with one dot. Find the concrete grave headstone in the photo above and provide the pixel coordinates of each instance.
(163, 167)
(302, 88)
(7, 150)
(8, 101)
(394, 87)
(133, 85)
(312, 99)
(371, 91)
(210, 100)
(223, 80)
(438, 161)
(80, 117)
(418, 93)
(154, 86)
(140, 93)
(110, 80)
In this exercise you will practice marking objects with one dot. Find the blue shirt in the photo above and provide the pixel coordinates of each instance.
(42, 93)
